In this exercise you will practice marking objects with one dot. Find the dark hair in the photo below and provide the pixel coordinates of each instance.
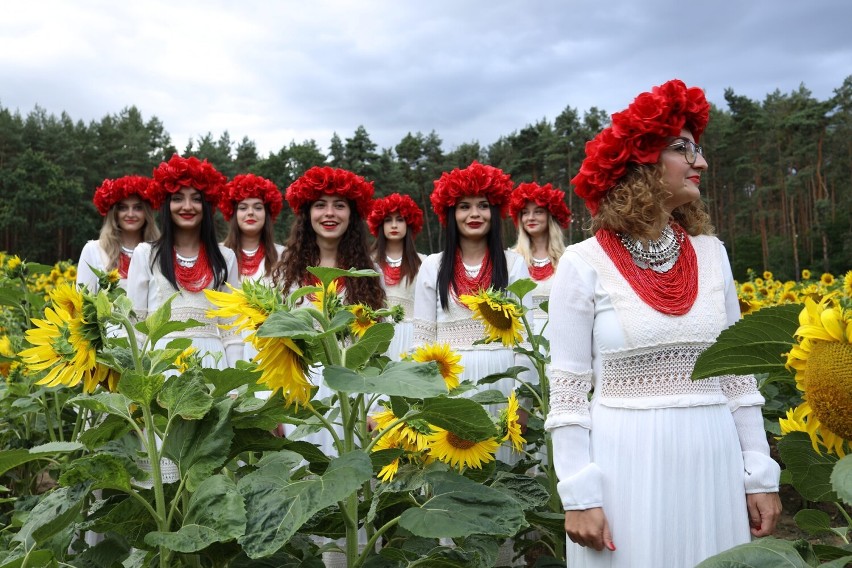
(301, 251)
(499, 269)
(410, 259)
(165, 244)
(234, 240)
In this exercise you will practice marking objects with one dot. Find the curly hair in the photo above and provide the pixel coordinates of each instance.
(635, 206)
(301, 251)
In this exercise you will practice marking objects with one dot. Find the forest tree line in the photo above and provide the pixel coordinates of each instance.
(779, 185)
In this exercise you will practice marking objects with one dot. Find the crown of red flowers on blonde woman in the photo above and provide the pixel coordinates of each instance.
(319, 181)
(245, 186)
(476, 179)
(393, 203)
(178, 172)
(544, 196)
(637, 136)
(111, 191)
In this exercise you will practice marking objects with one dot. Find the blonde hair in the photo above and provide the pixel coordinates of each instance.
(110, 236)
(555, 242)
(635, 206)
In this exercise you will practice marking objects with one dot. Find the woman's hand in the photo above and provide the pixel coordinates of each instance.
(763, 512)
(590, 528)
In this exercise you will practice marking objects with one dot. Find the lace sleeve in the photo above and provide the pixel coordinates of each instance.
(569, 399)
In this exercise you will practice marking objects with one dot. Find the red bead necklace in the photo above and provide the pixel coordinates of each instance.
(123, 264)
(197, 277)
(465, 284)
(392, 274)
(539, 273)
(671, 292)
(250, 263)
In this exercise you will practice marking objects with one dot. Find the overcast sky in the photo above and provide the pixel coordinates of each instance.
(470, 70)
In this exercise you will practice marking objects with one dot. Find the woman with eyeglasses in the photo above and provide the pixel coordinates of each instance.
(655, 469)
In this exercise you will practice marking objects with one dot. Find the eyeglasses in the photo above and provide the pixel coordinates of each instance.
(688, 148)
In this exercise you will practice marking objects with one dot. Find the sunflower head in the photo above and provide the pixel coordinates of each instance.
(447, 360)
(244, 308)
(459, 453)
(847, 285)
(827, 279)
(510, 421)
(822, 359)
(500, 315)
(365, 318)
(15, 267)
(806, 274)
(282, 365)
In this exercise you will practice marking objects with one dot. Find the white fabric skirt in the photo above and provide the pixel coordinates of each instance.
(673, 491)
(403, 336)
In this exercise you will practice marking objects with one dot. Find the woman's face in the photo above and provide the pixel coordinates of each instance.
(251, 216)
(473, 217)
(130, 213)
(534, 219)
(186, 208)
(330, 216)
(395, 227)
(681, 180)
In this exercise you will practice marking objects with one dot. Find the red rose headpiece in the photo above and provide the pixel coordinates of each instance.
(326, 180)
(392, 203)
(178, 172)
(111, 191)
(244, 186)
(637, 136)
(544, 196)
(476, 179)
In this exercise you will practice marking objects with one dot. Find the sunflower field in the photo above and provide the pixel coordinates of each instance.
(118, 451)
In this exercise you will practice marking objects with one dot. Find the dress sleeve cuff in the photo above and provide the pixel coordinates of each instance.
(583, 490)
(762, 473)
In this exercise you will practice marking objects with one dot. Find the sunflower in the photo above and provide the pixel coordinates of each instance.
(68, 298)
(758, 282)
(749, 306)
(806, 274)
(282, 366)
(847, 284)
(767, 275)
(364, 319)
(822, 359)
(747, 288)
(388, 442)
(512, 424)
(500, 315)
(447, 360)
(458, 452)
(799, 420)
(788, 297)
(6, 351)
(189, 357)
(333, 297)
(247, 312)
(827, 279)
(411, 437)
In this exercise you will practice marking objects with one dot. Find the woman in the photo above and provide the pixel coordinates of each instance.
(330, 206)
(128, 221)
(470, 204)
(540, 214)
(186, 258)
(395, 221)
(251, 204)
(657, 470)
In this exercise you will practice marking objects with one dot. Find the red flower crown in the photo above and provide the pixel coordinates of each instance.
(111, 191)
(245, 186)
(326, 180)
(392, 203)
(476, 179)
(178, 172)
(544, 196)
(637, 136)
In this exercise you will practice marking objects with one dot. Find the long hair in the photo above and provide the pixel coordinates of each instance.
(555, 242)
(301, 251)
(110, 235)
(635, 206)
(446, 272)
(410, 259)
(267, 240)
(164, 246)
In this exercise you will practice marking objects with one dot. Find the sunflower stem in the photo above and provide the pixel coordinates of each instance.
(372, 542)
(157, 480)
(47, 418)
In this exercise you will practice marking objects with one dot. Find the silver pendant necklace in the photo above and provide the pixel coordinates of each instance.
(660, 255)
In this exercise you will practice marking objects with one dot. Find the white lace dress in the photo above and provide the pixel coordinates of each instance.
(402, 294)
(148, 289)
(670, 460)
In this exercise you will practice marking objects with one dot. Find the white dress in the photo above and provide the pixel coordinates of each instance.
(539, 295)
(93, 256)
(669, 459)
(402, 294)
(148, 289)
